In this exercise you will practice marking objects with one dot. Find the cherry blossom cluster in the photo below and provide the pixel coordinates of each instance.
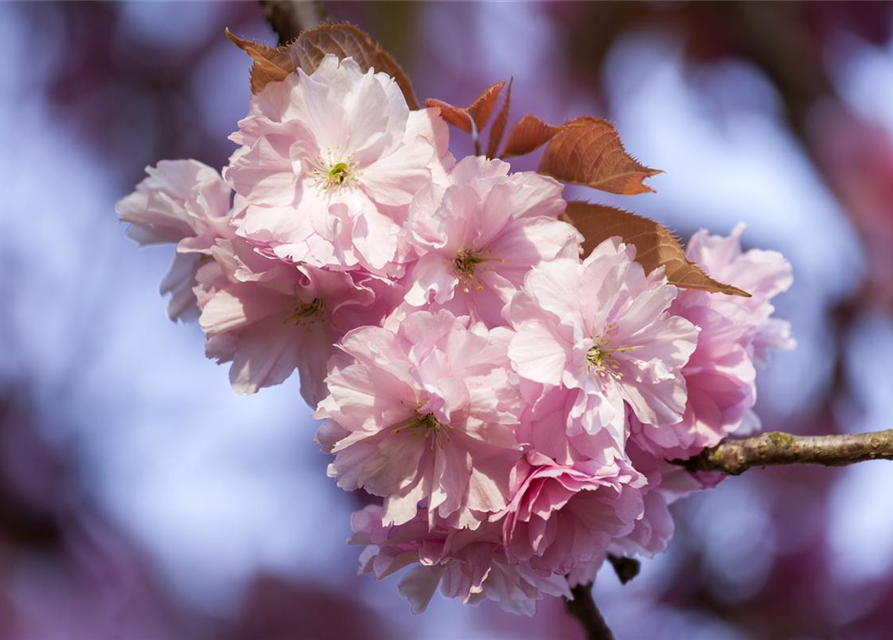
(512, 405)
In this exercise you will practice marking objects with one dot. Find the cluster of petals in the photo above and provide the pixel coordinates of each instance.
(601, 329)
(424, 414)
(563, 515)
(467, 564)
(328, 165)
(186, 203)
(480, 236)
(736, 336)
(305, 236)
(513, 406)
(270, 318)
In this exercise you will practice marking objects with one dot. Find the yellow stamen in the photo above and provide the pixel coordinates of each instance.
(600, 357)
(333, 171)
(465, 262)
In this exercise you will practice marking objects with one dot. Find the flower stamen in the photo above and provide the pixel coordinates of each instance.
(305, 313)
(425, 424)
(338, 174)
(600, 357)
(466, 264)
(333, 172)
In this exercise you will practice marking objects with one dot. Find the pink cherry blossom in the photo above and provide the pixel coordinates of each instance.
(329, 164)
(763, 274)
(279, 317)
(667, 482)
(562, 515)
(517, 409)
(544, 428)
(721, 383)
(601, 328)
(480, 237)
(182, 202)
(425, 413)
(735, 332)
(470, 565)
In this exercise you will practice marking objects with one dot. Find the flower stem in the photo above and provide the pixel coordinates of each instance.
(584, 609)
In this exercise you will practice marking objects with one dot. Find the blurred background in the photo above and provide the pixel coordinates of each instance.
(141, 499)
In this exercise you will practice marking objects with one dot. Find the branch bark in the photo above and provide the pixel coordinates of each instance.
(584, 609)
(734, 457)
(289, 17)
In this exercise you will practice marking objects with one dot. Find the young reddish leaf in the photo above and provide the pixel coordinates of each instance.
(478, 112)
(348, 41)
(588, 151)
(498, 126)
(307, 51)
(270, 65)
(484, 104)
(456, 116)
(655, 245)
(528, 135)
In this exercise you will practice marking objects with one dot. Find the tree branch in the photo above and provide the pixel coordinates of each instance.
(583, 608)
(734, 457)
(289, 17)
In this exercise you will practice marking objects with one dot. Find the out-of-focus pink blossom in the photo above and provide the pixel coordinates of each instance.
(602, 329)
(562, 515)
(328, 165)
(480, 236)
(470, 565)
(425, 413)
(186, 203)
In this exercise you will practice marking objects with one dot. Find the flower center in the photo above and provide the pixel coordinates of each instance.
(466, 262)
(305, 313)
(426, 425)
(333, 172)
(600, 357)
(338, 174)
